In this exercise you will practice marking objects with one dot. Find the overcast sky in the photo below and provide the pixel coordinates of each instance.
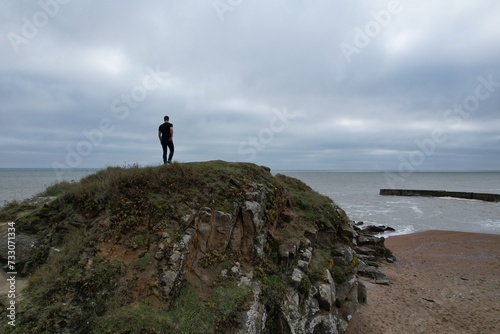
(371, 85)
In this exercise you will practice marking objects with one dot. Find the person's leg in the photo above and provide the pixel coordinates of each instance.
(171, 147)
(165, 147)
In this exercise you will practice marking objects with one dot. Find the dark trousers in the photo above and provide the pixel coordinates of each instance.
(168, 146)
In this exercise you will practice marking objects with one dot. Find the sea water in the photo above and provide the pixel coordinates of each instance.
(357, 193)
(21, 184)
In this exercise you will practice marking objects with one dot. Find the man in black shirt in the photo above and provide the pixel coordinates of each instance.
(166, 135)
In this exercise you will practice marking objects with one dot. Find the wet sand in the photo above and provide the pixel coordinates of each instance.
(442, 282)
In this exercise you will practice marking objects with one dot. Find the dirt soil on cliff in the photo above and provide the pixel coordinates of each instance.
(443, 282)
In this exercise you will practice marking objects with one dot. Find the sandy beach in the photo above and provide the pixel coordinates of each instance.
(442, 282)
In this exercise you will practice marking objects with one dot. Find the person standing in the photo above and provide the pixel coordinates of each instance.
(166, 136)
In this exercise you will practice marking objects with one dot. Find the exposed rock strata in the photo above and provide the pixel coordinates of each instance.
(319, 309)
(370, 250)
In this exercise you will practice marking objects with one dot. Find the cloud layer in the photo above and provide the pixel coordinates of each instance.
(287, 84)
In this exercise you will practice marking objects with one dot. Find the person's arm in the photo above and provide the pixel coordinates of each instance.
(171, 133)
(159, 135)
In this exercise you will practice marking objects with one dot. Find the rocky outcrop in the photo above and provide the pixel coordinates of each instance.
(315, 307)
(370, 249)
(248, 251)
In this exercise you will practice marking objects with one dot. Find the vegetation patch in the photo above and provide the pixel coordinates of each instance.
(311, 206)
(212, 257)
(67, 293)
(340, 272)
(134, 318)
(274, 288)
(188, 315)
(320, 262)
(14, 209)
(58, 189)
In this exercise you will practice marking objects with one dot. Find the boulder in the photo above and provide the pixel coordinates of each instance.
(325, 295)
(370, 240)
(362, 294)
(378, 229)
(345, 291)
(297, 277)
(372, 272)
(343, 255)
(323, 324)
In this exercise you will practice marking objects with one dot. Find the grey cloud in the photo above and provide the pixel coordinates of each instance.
(227, 76)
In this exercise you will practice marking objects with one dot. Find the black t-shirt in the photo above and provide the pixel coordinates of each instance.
(165, 131)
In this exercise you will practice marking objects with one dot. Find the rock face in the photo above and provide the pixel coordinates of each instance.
(370, 250)
(285, 258)
(315, 308)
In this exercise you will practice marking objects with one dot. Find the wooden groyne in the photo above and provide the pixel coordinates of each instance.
(441, 193)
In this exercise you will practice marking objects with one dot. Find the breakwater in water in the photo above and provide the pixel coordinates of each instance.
(441, 193)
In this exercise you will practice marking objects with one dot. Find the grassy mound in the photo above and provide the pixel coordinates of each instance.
(94, 266)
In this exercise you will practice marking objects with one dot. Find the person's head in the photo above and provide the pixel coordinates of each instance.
(166, 118)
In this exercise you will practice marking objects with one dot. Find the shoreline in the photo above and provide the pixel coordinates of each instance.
(442, 282)
(388, 235)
